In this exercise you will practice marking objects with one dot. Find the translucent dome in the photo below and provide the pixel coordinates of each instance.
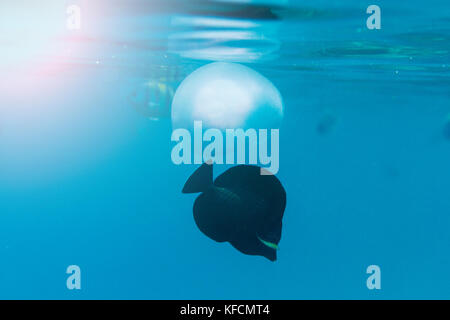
(227, 95)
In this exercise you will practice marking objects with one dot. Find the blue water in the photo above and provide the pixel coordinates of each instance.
(87, 180)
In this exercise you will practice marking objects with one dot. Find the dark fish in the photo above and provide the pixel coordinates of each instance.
(152, 99)
(241, 206)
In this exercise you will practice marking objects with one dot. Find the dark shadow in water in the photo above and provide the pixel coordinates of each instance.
(152, 99)
(326, 124)
(233, 10)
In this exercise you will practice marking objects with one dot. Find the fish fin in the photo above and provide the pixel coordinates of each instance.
(270, 233)
(200, 180)
(254, 247)
(269, 244)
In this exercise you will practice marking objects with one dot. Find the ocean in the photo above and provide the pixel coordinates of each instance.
(86, 176)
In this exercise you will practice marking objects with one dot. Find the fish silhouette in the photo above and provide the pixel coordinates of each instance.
(241, 206)
(152, 99)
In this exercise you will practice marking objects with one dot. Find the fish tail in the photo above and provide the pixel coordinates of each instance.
(201, 180)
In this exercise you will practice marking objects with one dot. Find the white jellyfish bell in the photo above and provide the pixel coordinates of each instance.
(227, 96)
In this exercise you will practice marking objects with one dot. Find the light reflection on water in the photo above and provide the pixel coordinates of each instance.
(239, 33)
(138, 40)
(136, 34)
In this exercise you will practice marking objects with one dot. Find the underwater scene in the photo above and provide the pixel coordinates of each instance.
(232, 149)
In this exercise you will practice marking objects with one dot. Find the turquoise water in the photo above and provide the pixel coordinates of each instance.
(86, 177)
